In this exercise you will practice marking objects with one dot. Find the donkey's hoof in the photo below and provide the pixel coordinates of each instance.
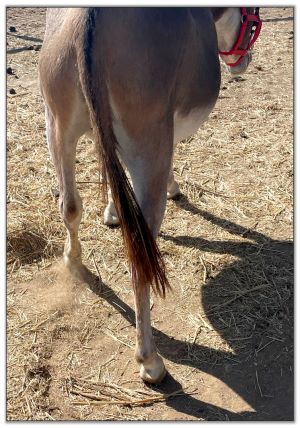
(74, 266)
(110, 219)
(154, 374)
(173, 191)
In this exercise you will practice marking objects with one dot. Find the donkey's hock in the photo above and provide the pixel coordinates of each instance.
(141, 79)
(110, 213)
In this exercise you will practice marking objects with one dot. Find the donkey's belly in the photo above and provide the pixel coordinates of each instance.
(185, 126)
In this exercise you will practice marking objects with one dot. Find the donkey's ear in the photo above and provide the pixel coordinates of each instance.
(217, 12)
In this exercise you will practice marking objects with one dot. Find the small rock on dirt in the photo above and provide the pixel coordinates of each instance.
(243, 134)
(12, 29)
(12, 91)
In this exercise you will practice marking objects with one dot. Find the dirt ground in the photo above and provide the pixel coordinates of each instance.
(226, 330)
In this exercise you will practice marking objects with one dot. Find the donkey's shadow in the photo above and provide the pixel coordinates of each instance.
(262, 313)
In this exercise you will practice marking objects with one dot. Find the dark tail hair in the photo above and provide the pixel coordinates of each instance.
(146, 262)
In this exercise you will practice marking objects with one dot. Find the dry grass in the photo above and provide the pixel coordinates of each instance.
(228, 248)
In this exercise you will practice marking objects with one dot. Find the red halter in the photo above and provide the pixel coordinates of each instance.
(249, 21)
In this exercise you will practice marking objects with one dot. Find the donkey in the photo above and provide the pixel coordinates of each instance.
(138, 80)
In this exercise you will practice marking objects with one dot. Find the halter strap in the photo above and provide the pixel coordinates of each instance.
(256, 24)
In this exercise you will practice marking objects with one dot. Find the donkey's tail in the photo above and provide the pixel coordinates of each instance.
(146, 262)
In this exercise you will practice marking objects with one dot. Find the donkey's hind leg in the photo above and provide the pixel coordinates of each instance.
(149, 173)
(110, 213)
(62, 146)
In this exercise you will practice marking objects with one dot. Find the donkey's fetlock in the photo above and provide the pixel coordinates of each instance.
(152, 368)
(154, 371)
